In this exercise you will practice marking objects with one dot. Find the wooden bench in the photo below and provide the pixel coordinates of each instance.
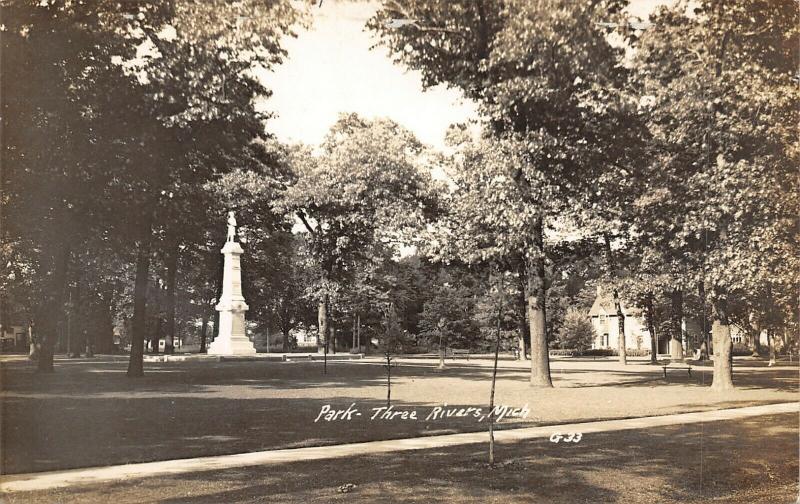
(458, 351)
(676, 366)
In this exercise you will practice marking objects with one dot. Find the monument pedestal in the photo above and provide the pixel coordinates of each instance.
(232, 338)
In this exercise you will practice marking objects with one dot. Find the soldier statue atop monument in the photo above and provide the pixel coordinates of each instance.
(231, 227)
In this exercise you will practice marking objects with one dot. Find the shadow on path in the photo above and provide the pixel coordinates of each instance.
(741, 461)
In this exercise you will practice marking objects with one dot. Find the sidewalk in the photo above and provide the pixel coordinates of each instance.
(96, 475)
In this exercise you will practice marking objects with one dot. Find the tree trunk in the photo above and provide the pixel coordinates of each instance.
(322, 322)
(612, 273)
(33, 354)
(441, 350)
(536, 292)
(649, 317)
(68, 313)
(522, 321)
(756, 333)
(218, 295)
(353, 336)
(169, 303)
(139, 323)
(771, 342)
(203, 335)
(388, 378)
(705, 345)
(104, 344)
(721, 334)
(285, 332)
(358, 333)
(621, 340)
(491, 396)
(153, 330)
(494, 374)
(89, 347)
(88, 343)
(676, 318)
(4, 319)
(45, 362)
(214, 326)
(52, 309)
(156, 338)
(77, 321)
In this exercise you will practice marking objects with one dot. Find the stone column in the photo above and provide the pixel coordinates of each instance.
(231, 339)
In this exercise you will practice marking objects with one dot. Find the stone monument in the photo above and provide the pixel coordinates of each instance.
(232, 339)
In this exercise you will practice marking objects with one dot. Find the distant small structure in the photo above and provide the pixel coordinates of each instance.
(305, 337)
(13, 338)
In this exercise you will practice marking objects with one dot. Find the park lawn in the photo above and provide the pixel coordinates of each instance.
(742, 461)
(88, 413)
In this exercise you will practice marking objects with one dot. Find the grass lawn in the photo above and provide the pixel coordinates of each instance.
(735, 461)
(88, 413)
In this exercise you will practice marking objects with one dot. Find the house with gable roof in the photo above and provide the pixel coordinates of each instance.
(603, 316)
(604, 321)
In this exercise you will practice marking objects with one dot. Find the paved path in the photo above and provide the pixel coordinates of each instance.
(94, 475)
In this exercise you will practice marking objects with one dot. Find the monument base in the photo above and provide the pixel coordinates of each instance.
(232, 339)
(233, 345)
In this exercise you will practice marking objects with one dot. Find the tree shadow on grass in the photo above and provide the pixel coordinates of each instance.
(108, 377)
(784, 380)
(92, 414)
(73, 432)
(688, 463)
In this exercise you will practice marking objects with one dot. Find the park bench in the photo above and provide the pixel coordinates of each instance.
(673, 365)
(458, 351)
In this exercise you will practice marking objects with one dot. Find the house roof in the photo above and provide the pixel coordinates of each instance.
(604, 305)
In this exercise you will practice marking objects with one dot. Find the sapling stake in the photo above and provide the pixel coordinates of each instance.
(494, 373)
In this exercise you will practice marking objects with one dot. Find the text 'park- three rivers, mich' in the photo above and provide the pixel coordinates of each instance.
(329, 414)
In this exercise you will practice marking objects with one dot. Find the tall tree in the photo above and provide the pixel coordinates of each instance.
(448, 317)
(127, 90)
(491, 218)
(365, 188)
(719, 79)
(543, 72)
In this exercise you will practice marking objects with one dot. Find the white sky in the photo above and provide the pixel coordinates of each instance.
(331, 69)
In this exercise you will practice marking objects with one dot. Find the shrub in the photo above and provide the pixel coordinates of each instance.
(740, 350)
(576, 331)
(599, 352)
(414, 349)
(609, 352)
(563, 352)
